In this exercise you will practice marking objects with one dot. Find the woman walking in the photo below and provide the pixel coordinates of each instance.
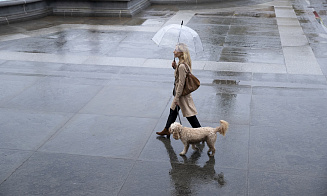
(183, 102)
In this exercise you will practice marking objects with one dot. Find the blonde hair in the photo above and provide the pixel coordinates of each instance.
(185, 58)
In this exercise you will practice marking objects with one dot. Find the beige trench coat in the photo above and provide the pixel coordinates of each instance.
(185, 102)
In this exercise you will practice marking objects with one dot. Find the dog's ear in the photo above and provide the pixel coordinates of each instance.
(171, 130)
(176, 135)
(179, 127)
(177, 130)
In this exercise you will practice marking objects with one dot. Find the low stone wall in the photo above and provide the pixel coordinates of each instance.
(20, 10)
(120, 8)
(184, 1)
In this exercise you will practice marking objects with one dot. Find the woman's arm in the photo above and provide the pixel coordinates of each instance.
(181, 82)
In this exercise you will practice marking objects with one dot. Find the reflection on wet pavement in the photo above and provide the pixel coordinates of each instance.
(227, 36)
(187, 175)
(314, 32)
(245, 36)
(230, 82)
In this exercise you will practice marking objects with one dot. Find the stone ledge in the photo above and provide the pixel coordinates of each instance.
(183, 1)
(99, 8)
(110, 0)
(18, 11)
(21, 10)
(17, 2)
(25, 16)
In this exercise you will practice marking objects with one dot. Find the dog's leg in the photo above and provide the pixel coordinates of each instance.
(194, 147)
(186, 146)
(212, 149)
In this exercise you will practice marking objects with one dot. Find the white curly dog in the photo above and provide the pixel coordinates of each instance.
(196, 135)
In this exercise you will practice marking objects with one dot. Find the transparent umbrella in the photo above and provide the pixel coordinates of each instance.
(173, 34)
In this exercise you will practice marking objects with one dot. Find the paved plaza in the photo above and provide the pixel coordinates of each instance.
(82, 97)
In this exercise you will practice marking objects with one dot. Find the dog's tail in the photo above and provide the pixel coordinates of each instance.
(222, 129)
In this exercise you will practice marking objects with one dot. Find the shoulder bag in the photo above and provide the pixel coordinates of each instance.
(191, 82)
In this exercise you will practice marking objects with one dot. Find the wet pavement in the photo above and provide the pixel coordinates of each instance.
(81, 99)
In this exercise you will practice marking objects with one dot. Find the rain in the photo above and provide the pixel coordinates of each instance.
(83, 94)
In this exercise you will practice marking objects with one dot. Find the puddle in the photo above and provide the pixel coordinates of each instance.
(186, 174)
(299, 12)
(304, 21)
(33, 51)
(267, 12)
(256, 14)
(135, 21)
(229, 13)
(228, 82)
(244, 55)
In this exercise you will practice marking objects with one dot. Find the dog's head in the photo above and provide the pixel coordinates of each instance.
(175, 129)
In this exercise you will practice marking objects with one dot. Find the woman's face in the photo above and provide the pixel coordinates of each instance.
(177, 52)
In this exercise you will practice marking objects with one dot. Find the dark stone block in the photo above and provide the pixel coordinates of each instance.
(15, 11)
(118, 8)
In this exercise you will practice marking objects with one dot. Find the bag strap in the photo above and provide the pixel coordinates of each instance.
(188, 68)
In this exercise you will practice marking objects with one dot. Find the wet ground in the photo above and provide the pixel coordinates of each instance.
(81, 99)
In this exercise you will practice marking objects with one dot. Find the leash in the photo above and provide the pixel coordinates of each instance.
(177, 107)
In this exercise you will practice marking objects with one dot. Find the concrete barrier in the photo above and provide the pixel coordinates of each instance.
(21, 10)
(116, 8)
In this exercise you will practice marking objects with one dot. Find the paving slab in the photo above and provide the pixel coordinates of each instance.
(12, 85)
(265, 183)
(38, 127)
(285, 12)
(219, 103)
(11, 159)
(288, 22)
(2, 61)
(54, 97)
(322, 62)
(116, 101)
(301, 59)
(62, 174)
(279, 150)
(102, 136)
(246, 67)
(183, 179)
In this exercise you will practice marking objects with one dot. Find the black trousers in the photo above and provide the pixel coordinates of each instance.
(193, 120)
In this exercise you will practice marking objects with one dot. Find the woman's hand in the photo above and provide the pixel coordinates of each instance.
(173, 64)
(176, 103)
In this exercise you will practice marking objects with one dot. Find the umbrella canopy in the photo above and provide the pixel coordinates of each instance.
(173, 34)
